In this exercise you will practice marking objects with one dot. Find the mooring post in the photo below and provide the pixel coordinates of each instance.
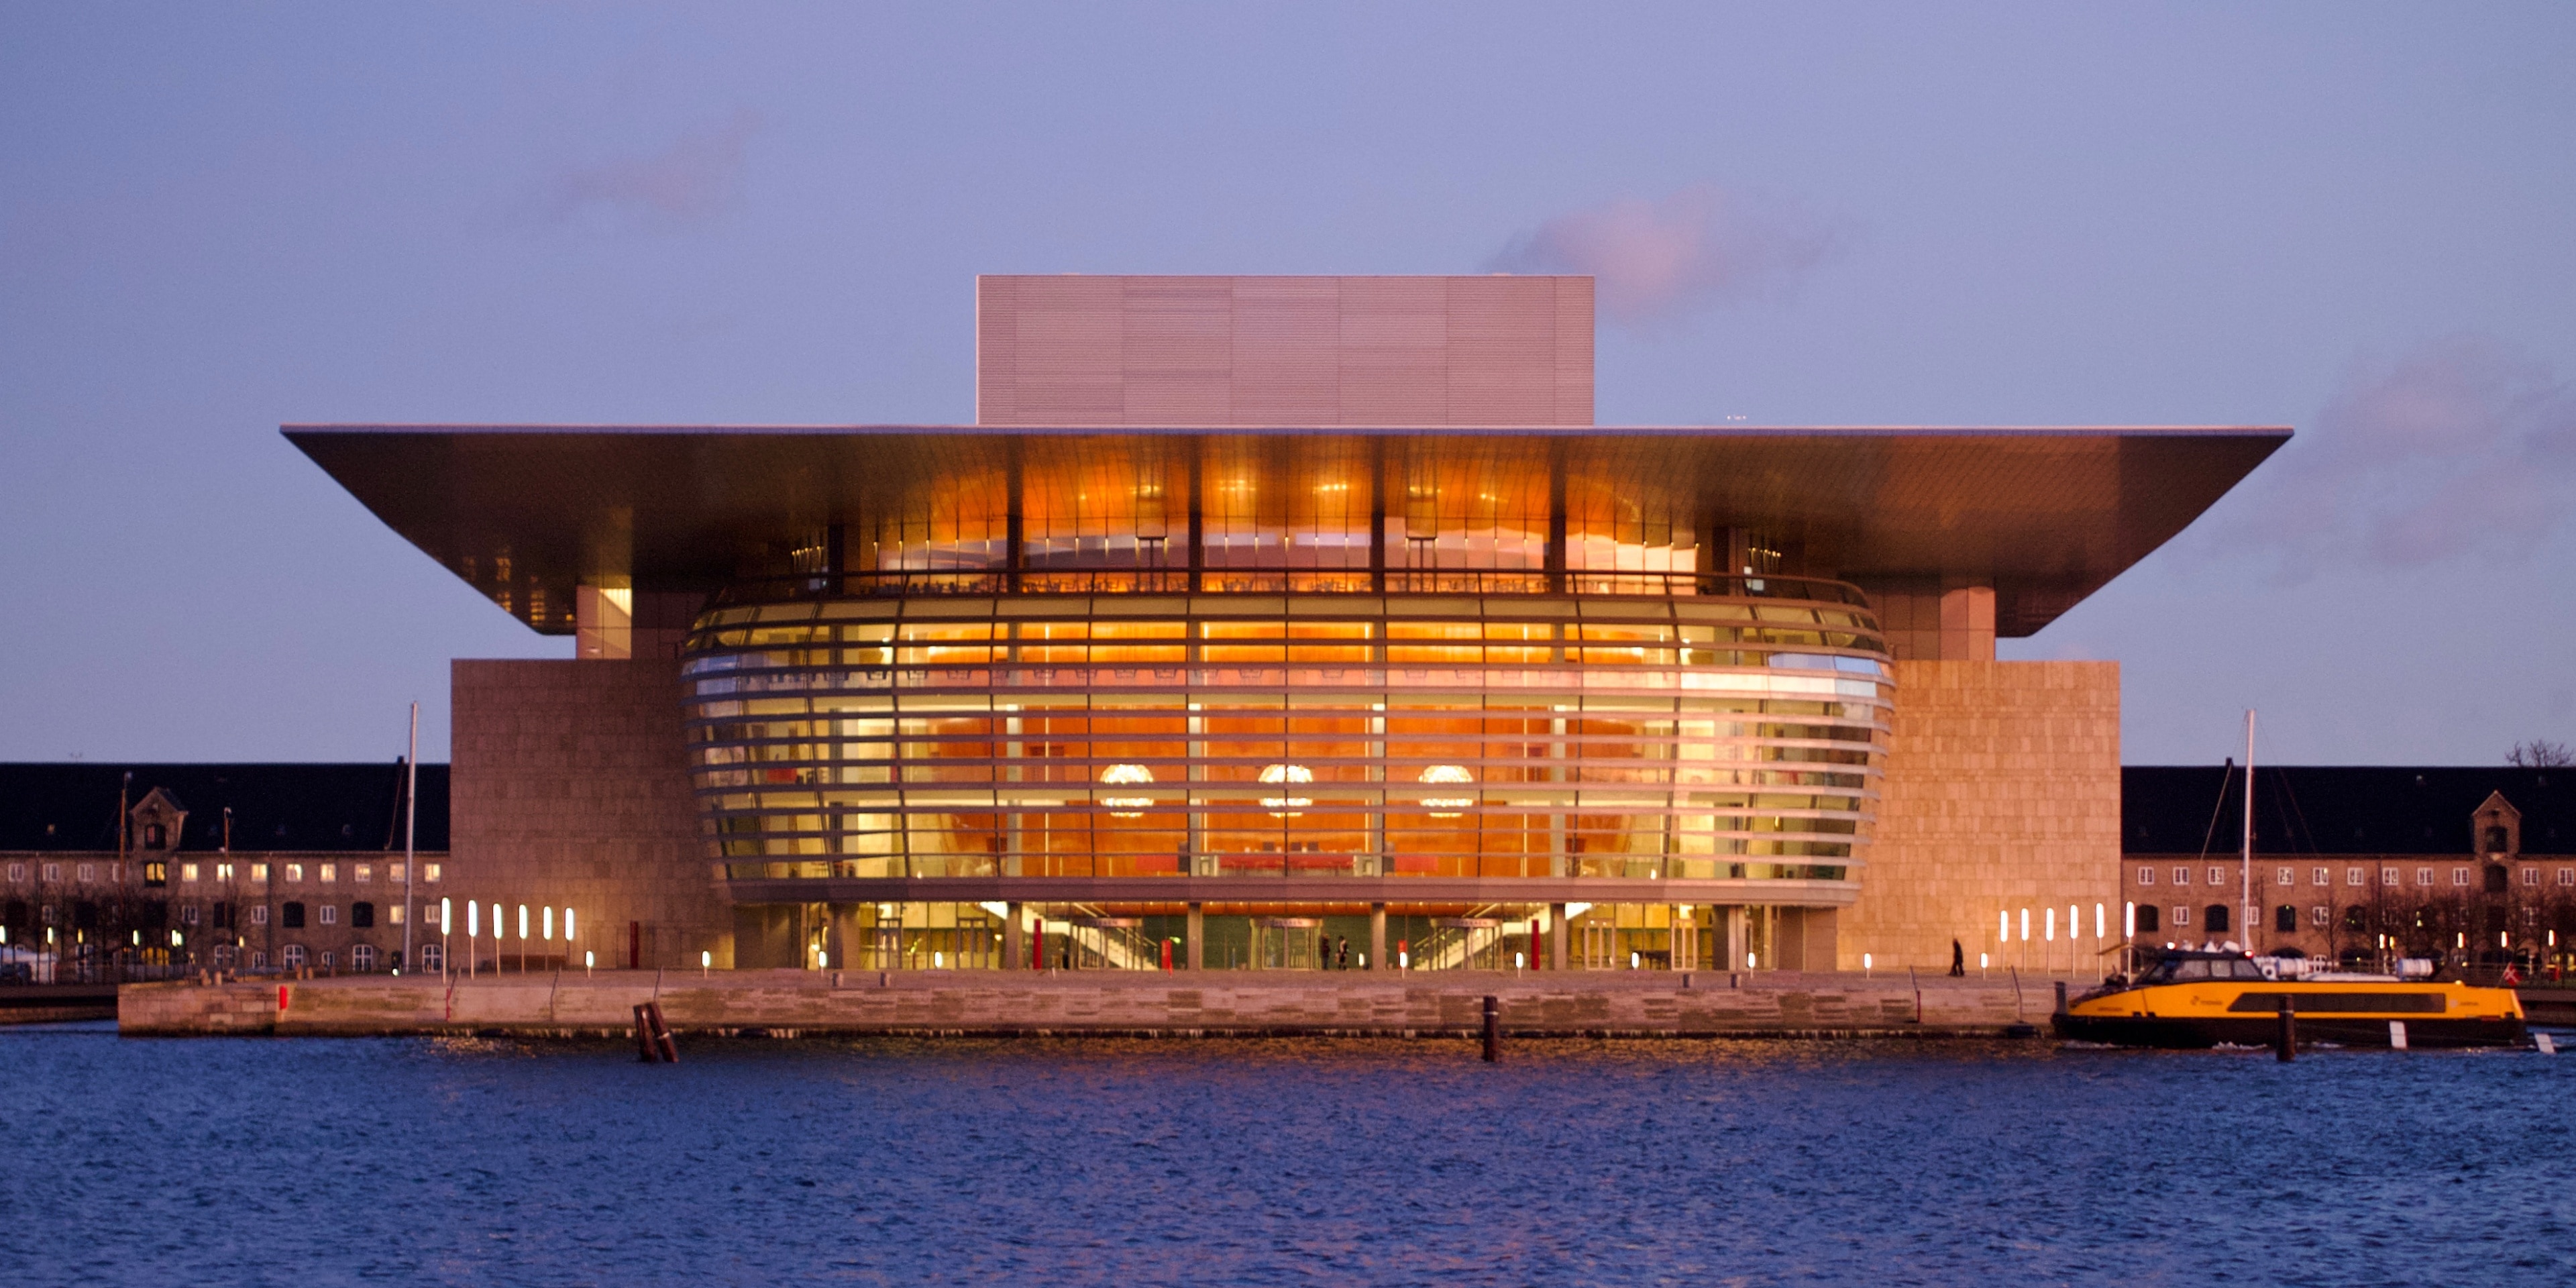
(1493, 1029)
(2285, 1045)
(2061, 997)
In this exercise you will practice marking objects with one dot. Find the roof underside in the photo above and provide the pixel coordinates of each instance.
(2045, 516)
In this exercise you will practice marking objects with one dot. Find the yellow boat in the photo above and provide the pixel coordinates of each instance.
(2201, 999)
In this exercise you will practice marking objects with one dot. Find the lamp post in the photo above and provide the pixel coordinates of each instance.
(445, 914)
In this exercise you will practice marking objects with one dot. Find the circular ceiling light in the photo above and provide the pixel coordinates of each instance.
(1127, 775)
(1447, 806)
(1283, 805)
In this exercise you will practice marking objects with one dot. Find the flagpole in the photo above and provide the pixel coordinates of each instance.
(2245, 864)
(411, 829)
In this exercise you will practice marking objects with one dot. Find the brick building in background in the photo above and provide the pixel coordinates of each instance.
(126, 869)
(2356, 863)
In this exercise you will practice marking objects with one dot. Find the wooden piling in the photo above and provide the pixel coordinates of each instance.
(1493, 1029)
(2285, 1044)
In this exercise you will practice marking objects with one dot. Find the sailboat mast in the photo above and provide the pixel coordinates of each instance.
(2245, 866)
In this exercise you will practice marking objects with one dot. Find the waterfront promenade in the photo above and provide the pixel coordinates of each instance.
(1107, 1003)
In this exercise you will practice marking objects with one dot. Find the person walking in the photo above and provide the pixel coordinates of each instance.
(1958, 960)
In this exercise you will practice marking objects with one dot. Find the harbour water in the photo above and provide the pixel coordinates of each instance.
(323, 1161)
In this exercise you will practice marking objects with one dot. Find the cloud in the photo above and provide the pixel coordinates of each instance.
(690, 181)
(2461, 448)
(1656, 261)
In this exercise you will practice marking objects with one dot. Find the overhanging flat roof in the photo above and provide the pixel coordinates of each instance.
(2044, 515)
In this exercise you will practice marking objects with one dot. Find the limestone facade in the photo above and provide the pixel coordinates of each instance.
(2002, 796)
(571, 790)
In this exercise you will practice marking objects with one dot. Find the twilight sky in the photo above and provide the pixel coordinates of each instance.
(2358, 220)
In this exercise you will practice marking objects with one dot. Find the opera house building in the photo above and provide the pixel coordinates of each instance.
(1286, 622)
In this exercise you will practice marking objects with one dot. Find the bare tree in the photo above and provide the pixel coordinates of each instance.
(2540, 753)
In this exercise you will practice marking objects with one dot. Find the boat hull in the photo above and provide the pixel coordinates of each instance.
(2199, 1032)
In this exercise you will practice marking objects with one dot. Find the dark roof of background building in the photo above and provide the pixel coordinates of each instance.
(2338, 809)
(72, 806)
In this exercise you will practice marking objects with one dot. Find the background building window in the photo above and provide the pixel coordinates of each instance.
(294, 956)
(2285, 876)
(2495, 840)
(2388, 876)
(2182, 876)
(2146, 876)
(2285, 919)
(295, 872)
(2356, 917)
(362, 957)
(2352, 876)
(365, 872)
(2531, 876)
(291, 916)
(432, 958)
(429, 871)
(2182, 917)
(2496, 882)
(2214, 918)
(2459, 876)
(2320, 914)
(2567, 876)
(362, 916)
(2147, 919)
(330, 914)
(188, 914)
(2320, 876)
(2423, 876)
(2218, 876)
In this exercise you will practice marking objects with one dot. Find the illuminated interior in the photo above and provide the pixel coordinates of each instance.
(1705, 737)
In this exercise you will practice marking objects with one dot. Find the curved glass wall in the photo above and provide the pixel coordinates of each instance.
(890, 734)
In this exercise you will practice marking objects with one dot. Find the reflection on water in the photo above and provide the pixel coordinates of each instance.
(474, 1161)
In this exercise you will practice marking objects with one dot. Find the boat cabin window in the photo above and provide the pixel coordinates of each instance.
(2174, 970)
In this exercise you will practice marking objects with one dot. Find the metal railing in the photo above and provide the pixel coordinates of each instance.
(1225, 581)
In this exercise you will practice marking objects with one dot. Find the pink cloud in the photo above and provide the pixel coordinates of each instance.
(1655, 261)
(2460, 448)
(694, 178)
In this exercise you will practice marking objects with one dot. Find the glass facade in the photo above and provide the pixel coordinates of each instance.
(1531, 736)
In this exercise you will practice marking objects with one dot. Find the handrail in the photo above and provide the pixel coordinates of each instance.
(1241, 581)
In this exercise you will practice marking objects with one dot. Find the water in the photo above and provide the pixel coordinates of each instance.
(321, 1162)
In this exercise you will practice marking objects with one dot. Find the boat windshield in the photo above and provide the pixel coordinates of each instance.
(2175, 970)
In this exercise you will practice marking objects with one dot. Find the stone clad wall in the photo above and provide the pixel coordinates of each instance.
(971, 1003)
(2003, 792)
(571, 788)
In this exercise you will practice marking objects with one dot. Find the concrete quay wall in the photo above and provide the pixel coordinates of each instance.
(1019, 1003)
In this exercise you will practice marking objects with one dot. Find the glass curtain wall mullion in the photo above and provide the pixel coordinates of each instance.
(1008, 748)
